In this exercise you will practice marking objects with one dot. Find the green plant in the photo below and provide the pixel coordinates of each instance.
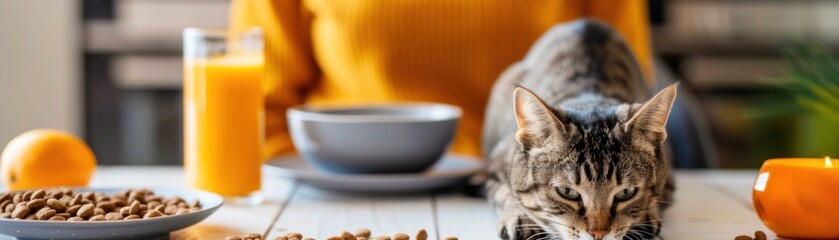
(812, 78)
(809, 92)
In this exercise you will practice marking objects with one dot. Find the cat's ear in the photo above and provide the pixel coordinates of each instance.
(650, 118)
(536, 122)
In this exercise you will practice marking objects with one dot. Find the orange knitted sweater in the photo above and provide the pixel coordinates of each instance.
(450, 51)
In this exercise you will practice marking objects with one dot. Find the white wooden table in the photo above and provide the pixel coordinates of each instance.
(708, 205)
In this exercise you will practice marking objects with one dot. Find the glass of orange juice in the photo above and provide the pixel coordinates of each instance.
(224, 113)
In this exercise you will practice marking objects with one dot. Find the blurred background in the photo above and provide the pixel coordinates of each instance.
(111, 72)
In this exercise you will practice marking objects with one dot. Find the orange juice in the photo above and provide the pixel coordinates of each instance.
(223, 122)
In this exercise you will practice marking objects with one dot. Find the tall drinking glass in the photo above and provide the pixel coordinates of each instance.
(224, 113)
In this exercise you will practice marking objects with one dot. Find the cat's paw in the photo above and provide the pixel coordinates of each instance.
(517, 227)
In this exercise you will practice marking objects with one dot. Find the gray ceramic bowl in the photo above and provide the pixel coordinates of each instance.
(383, 138)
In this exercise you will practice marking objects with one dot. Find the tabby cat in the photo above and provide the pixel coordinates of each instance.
(582, 156)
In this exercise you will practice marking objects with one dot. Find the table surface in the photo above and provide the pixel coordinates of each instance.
(709, 204)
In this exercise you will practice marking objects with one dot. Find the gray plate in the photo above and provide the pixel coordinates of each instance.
(129, 229)
(448, 170)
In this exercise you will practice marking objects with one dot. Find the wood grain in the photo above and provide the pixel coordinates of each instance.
(703, 211)
(321, 214)
(708, 205)
(465, 217)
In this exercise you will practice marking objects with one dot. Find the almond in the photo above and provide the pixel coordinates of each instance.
(36, 203)
(55, 204)
(45, 213)
(86, 210)
(363, 232)
(422, 235)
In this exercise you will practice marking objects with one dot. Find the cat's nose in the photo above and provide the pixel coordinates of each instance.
(598, 235)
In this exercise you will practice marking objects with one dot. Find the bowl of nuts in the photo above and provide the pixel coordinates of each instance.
(102, 213)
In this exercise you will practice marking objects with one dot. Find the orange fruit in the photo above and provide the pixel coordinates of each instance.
(46, 158)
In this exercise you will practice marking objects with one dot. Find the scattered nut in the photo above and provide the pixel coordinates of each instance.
(55, 204)
(86, 210)
(4, 204)
(348, 236)
(401, 236)
(182, 211)
(125, 211)
(97, 218)
(759, 235)
(134, 208)
(73, 209)
(112, 216)
(253, 236)
(40, 193)
(99, 211)
(20, 211)
(363, 232)
(36, 203)
(45, 213)
(360, 234)
(89, 196)
(27, 195)
(422, 235)
(171, 209)
(76, 200)
(293, 235)
(119, 202)
(9, 208)
(152, 214)
(106, 205)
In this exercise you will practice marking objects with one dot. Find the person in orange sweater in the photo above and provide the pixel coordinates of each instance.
(361, 51)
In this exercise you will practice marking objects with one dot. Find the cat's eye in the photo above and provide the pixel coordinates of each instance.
(625, 194)
(568, 193)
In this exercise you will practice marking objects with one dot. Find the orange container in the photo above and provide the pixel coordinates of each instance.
(799, 198)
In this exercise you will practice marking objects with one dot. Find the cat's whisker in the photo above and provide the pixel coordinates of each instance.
(547, 237)
(530, 228)
(641, 234)
(644, 224)
(535, 235)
